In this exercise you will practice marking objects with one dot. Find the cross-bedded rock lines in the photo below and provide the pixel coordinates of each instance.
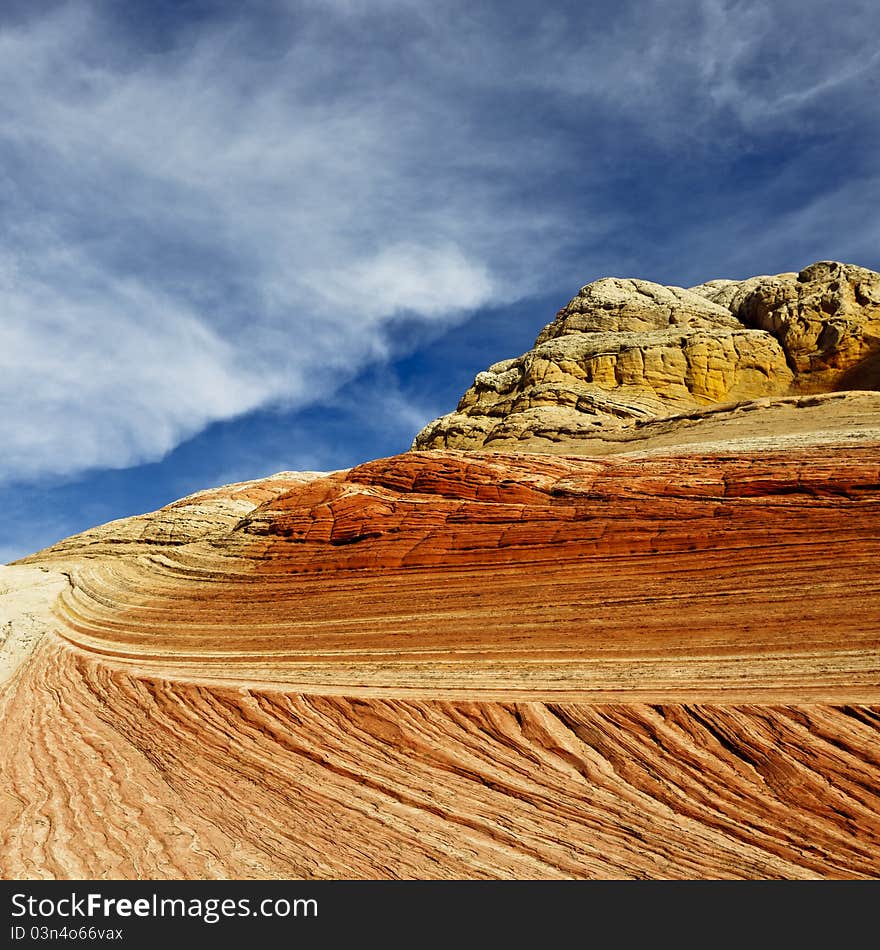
(465, 665)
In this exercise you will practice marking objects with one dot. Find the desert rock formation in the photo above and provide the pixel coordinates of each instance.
(625, 353)
(468, 665)
(647, 646)
(26, 598)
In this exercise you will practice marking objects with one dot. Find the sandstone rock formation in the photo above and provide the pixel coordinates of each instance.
(624, 353)
(26, 598)
(651, 650)
(201, 516)
(466, 665)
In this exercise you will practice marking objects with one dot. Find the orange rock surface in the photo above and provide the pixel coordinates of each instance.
(452, 664)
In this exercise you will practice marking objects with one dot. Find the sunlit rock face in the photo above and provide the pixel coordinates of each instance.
(615, 617)
(449, 664)
(624, 354)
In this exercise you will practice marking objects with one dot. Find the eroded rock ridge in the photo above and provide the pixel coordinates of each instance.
(623, 354)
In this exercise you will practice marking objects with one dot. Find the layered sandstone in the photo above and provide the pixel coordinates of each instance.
(626, 353)
(464, 665)
(649, 648)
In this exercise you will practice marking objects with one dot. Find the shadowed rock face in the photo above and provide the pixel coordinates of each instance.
(466, 665)
(624, 353)
(827, 320)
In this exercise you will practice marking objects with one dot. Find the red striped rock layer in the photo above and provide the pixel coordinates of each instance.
(464, 665)
(126, 776)
(452, 574)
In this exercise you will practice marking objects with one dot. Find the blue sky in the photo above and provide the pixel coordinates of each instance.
(244, 237)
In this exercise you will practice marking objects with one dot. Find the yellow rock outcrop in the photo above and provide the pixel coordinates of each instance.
(625, 352)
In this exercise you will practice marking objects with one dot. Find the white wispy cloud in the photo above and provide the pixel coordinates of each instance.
(306, 211)
(106, 374)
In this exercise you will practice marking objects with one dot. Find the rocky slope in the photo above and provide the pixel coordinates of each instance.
(453, 664)
(624, 354)
(659, 661)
